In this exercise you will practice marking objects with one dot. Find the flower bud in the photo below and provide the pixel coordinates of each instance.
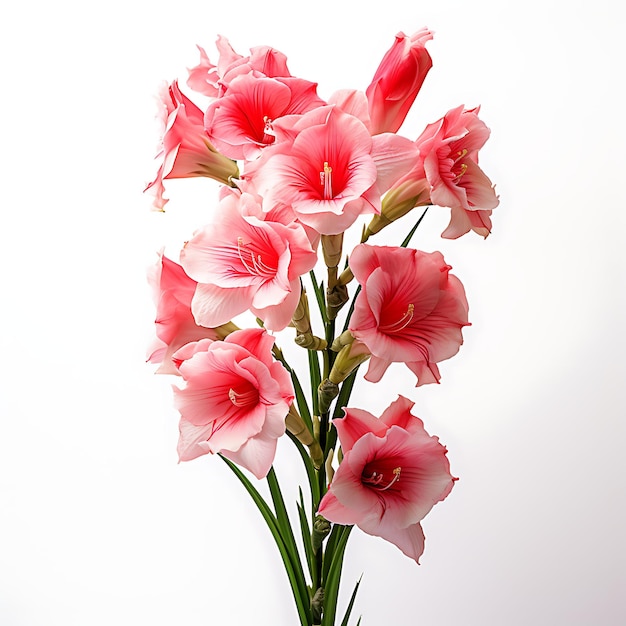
(347, 360)
(327, 392)
(296, 426)
(397, 202)
(317, 605)
(321, 530)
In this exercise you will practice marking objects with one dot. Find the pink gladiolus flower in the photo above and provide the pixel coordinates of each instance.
(235, 400)
(240, 123)
(212, 80)
(410, 310)
(449, 161)
(185, 150)
(391, 475)
(175, 325)
(242, 262)
(397, 81)
(328, 168)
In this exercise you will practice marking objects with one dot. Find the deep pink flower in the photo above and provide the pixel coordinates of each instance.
(391, 475)
(242, 262)
(213, 80)
(328, 168)
(449, 161)
(398, 80)
(240, 123)
(235, 400)
(175, 325)
(410, 310)
(185, 150)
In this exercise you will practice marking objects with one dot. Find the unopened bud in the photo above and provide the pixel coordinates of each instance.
(397, 203)
(336, 297)
(317, 606)
(327, 392)
(345, 339)
(321, 530)
(311, 342)
(301, 318)
(347, 360)
(296, 426)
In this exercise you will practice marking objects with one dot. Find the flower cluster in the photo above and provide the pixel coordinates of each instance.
(296, 172)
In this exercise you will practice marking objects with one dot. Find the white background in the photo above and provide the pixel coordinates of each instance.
(99, 525)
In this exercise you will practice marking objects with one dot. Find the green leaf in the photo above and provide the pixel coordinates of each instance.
(346, 617)
(405, 243)
(344, 393)
(316, 378)
(284, 525)
(331, 586)
(305, 530)
(302, 601)
(310, 471)
(319, 296)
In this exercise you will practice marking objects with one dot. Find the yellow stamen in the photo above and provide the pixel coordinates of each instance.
(326, 181)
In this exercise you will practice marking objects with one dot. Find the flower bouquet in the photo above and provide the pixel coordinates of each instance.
(296, 172)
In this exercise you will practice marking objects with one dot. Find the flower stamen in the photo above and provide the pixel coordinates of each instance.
(326, 181)
(269, 135)
(400, 324)
(376, 479)
(254, 263)
(243, 399)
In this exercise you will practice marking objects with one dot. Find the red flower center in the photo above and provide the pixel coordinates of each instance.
(380, 479)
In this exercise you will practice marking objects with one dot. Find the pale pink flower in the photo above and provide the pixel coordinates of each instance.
(397, 81)
(328, 168)
(235, 400)
(391, 475)
(449, 161)
(185, 149)
(242, 262)
(240, 123)
(175, 325)
(410, 310)
(213, 80)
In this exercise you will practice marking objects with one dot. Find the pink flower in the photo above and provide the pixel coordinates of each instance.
(410, 310)
(185, 150)
(397, 81)
(242, 262)
(175, 325)
(213, 81)
(235, 400)
(391, 475)
(449, 161)
(328, 168)
(240, 123)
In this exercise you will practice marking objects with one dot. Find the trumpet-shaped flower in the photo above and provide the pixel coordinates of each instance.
(397, 81)
(213, 80)
(391, 475)
(449, 161)
(242, 262)
(185, 150)
(240, 123)
(175, 325)
(410, 310)
(328, 168)
(235, 400)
